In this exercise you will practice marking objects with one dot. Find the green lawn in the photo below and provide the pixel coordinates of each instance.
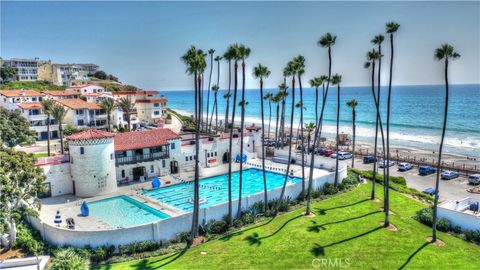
(346, 228)
(40, 154)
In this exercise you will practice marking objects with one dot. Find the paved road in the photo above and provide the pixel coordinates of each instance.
(449, 189)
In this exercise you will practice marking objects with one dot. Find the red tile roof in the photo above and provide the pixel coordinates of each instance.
(77, 103)
(144, 92)
(253, 127)
(124, 93)
(90, 134)
(20, 93)
(142, 139)
(30, 105)
(83, 85)
(151, 100)
(60, 93)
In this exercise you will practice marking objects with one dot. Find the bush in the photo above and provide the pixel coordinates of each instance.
(425, 216)
(329, 189)
(472, 236)
(28, 239)
(257, 207)
(379, 177)
(138, 247)
(444, 225)
(247, 218)
(102, 253)
(217, 226)
(183, 237)
(66, 259)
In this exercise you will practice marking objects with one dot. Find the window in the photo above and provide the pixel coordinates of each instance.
(186, 158)
(111, 156)
(208, 154)
(79, 112)
(123, 173)
(191, 157)
(80, 122)
(151, 168)
(172, 146)
(82, 151)
(156, 113)
(163, 163)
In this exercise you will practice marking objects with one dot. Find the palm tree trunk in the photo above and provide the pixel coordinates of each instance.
(194, 231)
(216, 111)
(337, 139)
(242, 123)
(318, 133)
(228, 94)
(387, 176)
(208, 91)
(60, 130)
(439, 165)
(269, 116)
(230, 213)
(48, 135)
(301, 128)
(276, 124)
(289, 148)
(265, 196)
(353, 121)
(108, 120)
(316, 104)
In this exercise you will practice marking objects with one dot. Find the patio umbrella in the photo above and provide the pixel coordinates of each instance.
(156, 183)
(58, 218)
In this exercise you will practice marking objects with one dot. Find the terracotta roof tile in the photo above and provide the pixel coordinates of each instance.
(20, 93)
(124, 93)
(142, 139)
(60, 93)
(90, 134)
(30, 105)
(151, 100)
(77, 103)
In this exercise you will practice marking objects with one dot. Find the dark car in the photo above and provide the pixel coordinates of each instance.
(369, 159)
(328, 152)
(426, 170)
(448, 175)
(429, 191)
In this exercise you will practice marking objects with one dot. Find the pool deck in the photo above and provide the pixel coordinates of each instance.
(69, 205)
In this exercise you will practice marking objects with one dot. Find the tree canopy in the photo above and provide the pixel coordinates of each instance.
(15, 129)
(7, 73)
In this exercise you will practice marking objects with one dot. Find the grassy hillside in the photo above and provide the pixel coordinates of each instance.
(34, 85)
(113, 86)
(345, 230)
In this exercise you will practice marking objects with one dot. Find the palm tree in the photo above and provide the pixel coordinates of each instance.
(233, 53)
(326, 41)
(195, 61)
(309, 128)
(446, 53)
(315, 83)
(353, 104)
(372, 57)
(210, 52)
(127, 106)
(108, 105)
(281, 132)
(244, 53)
(336, 80)
(228, 55)
(261, 72)
(291, 70)
(217, 59)
(47, 105)
(391, 28)
(300, 68)
(277, 99)
(215, 89)
(59, 113)
(269, 98)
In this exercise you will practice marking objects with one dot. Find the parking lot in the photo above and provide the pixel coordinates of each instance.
(449, 189)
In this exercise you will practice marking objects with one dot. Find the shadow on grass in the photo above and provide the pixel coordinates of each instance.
(229, 236)
(413, 255)
(317, 227)
(255, 239)
(319, 250)
(324, 211)
(144, 264)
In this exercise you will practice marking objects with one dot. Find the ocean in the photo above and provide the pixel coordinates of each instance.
(416, 113)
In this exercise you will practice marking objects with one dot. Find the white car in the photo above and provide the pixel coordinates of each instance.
(342, 155)
(474, 179)
(383, 163)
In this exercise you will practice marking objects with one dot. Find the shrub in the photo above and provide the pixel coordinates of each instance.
(28, 240)
(472, 235)
(425, 216)
(444, 225)
(183, 237)
(66, 259)
(217, 226)
(257, 207)
(102, 253)
(247, 218)
(237, 223)
(137, 247)
(329, 189)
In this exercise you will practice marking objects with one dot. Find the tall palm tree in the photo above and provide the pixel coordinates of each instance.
(108, 105)
(59, 113)
(336, 80)
(277, 99)
(261, 72)
(233, 52)
(315, 83)
(372, 57)
(290, 70)
(195, 61)
(228, 56)
(268, 97)
(127, 106)
(391, 27)
(215, 89)
(353, 104)
(210, 52)
(217, 59)
(309, 128)
(326, 41)
(281, 133)
(244, 53)
(47, 105)
(446, 53)
(300, 70)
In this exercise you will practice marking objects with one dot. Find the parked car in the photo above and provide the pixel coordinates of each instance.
(404, 166)
(384, 163)
(270, 142)
(369, 159)
(426, 170)
(320, 150)
(328, 152)
(474, 179)
(447, 175)
(342, 155)
(429, 191)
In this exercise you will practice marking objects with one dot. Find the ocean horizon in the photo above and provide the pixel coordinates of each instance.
(416, 113)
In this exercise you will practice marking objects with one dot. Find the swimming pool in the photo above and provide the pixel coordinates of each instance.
(123, 211)
(215, 189)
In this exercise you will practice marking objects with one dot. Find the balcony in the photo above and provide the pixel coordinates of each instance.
(141, 158)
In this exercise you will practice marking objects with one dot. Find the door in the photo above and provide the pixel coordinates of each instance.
(137, 172)
(173, 167)
(48, 191)
(43, 135)
(226, 157)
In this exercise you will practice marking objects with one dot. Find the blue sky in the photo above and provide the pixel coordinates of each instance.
(141, 42)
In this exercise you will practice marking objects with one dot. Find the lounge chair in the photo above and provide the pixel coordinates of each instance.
(71, 223)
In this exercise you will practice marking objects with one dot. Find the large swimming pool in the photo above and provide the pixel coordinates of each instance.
(123, 211)
(215, 189)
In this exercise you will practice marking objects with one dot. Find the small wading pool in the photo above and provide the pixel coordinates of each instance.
(123, 211)
(214, 190)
